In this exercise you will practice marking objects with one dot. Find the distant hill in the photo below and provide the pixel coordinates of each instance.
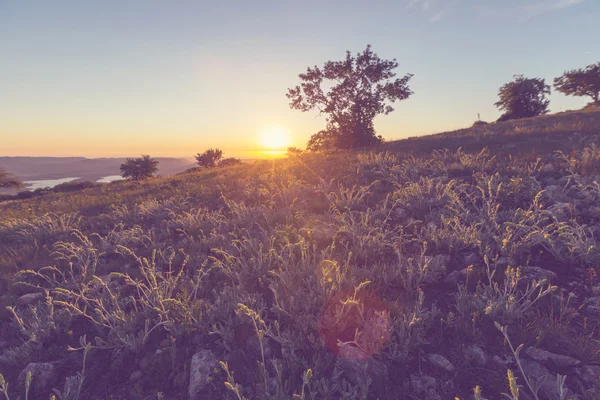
(87, 169)
(543, 133)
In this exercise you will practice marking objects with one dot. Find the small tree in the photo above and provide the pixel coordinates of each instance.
(360, 88)
(293, 152)
(139, 168)
(229, 162)
(9, 181)
(523, 98)
(209, 158)
(580, 82)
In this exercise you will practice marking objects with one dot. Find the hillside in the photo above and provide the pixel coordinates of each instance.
(88, 169)
(373, 275)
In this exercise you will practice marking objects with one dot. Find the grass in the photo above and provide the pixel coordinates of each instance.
(317, 277)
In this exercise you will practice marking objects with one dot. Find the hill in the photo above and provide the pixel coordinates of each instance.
(88, 169)
(365, 275)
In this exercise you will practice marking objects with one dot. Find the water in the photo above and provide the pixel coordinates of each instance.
(111, 178)
(47, 183)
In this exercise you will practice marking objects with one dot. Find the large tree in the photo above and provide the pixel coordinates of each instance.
(139, 168)
(523, 98)
(209, 158)
(350, 92)
(9, 181)
(580, 82)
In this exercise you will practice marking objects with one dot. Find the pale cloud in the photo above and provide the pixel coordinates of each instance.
(543, 7)
(437, 17)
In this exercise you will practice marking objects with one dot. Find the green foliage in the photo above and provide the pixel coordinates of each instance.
(280, 267)
(523, 98)
(359, 88)
(580, 82)
(139, 168)
(229, 162)
(209, 158)
(8, 181)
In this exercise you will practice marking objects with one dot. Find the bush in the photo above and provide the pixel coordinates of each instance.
(139, 168)
(209, 158)
(229, 162)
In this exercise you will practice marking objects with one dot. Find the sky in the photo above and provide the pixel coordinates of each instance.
(173, 78)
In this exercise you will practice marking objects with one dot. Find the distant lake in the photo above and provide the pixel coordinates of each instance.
(47, 183)
(111, 178)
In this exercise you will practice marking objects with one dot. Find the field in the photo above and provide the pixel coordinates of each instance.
(376, 275)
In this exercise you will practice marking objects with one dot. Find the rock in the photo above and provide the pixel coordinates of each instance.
(456, 277)
(475, 354)
(589, 374)
(440, 362)
(144, 363)
(553, 191)
(356, 363)
(253, 347)
(537, 372)
(472, 259)
(537, 273)
(551, 360)
(201, 368)
(136, 376)
(561, 211)
(593, 311)
(499, 362)
(43, 378)
(30, 298)
(422, 384)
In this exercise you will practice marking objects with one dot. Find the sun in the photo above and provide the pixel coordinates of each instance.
(275, 138)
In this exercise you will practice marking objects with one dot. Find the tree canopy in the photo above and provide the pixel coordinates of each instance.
(139, 168)
(351, 93)
(580, 82)
(209, 158)
(8, 180)
(523, 98)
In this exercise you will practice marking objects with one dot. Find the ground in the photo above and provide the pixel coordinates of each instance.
(407, 271)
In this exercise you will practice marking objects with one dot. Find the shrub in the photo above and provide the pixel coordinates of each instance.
(209, 158)
(139, 168)
(523, 98)
(229, 162)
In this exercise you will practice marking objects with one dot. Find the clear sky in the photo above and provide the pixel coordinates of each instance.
(172, 78)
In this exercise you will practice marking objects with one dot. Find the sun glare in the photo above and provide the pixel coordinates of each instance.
(275, 138)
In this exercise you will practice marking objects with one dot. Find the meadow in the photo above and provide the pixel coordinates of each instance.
(412, 271)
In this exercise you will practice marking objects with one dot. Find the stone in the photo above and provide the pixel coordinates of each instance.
(593, 311)
(202, 366)
(356, 363)
(536, 372)
(30, 298)
(136, 375)
(422, 384)
(456, 277)
(440, 362)
(43, 378)
(589, 374)
(561, 211)
(499, 362)
(475, 355)
(144, 363)
(537, 273)
(551, 360)
(253, 347)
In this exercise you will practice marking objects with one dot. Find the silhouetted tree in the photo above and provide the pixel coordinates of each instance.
(229, 162)
(9, 181)
(209, 158)
(293, 152)
(580, 82)
(351, 93)
(523, 98)
(139, 168)
(325, 140)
